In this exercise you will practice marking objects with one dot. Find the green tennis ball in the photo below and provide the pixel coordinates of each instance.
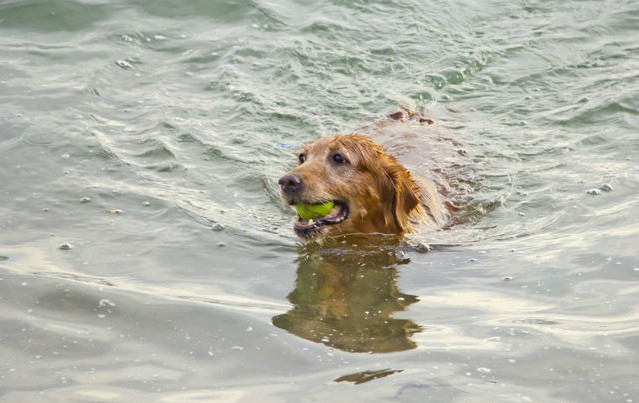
(309, 211)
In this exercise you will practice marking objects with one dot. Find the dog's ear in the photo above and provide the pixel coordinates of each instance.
(401, 194)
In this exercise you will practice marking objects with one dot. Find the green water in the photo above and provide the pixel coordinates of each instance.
(145, 255)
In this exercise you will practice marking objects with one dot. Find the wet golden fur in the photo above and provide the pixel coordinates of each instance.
(382, 196)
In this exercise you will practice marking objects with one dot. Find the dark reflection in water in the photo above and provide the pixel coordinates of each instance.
(366, 376)
(346, 295)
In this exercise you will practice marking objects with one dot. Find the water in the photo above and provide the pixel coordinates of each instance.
(144, 253)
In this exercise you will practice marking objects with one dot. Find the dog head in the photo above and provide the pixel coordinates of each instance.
(371, 191)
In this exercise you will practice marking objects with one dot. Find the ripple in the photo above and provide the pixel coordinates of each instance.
(226, 10)
(53, 16)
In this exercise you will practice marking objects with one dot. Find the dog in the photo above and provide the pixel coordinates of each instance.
(372, 193)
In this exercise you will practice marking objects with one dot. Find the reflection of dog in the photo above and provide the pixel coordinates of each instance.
(346, 298)
(371, 191)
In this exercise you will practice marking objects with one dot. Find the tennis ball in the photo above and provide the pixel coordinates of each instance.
(309, 211)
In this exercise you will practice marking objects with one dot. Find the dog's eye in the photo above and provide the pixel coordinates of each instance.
(301, 158)
(338, 158)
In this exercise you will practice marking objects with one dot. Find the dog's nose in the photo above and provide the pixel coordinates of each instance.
(290, 183)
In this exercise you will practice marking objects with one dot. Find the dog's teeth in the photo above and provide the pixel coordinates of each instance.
(311, 222)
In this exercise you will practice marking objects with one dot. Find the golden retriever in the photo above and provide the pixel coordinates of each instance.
(371, 191)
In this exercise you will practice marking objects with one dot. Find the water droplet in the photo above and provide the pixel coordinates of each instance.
(105, 302)
(123, 64)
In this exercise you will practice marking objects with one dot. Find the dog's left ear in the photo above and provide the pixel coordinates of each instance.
(404, 194)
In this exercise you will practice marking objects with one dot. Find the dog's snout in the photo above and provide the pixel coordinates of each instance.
(290, 183)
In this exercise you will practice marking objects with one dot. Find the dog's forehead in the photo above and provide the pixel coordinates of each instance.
(340, 142)
(321, 144)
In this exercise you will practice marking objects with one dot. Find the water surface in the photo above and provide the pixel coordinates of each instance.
(144, 252)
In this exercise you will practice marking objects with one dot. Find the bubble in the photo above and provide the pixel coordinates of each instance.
(606, 187)
(65, 246)
(105, 302)
(123, 64)
(217, 227)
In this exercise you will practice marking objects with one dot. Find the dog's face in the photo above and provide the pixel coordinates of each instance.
(370, 190)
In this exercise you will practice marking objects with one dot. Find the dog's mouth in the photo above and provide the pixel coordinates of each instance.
(308, 228)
